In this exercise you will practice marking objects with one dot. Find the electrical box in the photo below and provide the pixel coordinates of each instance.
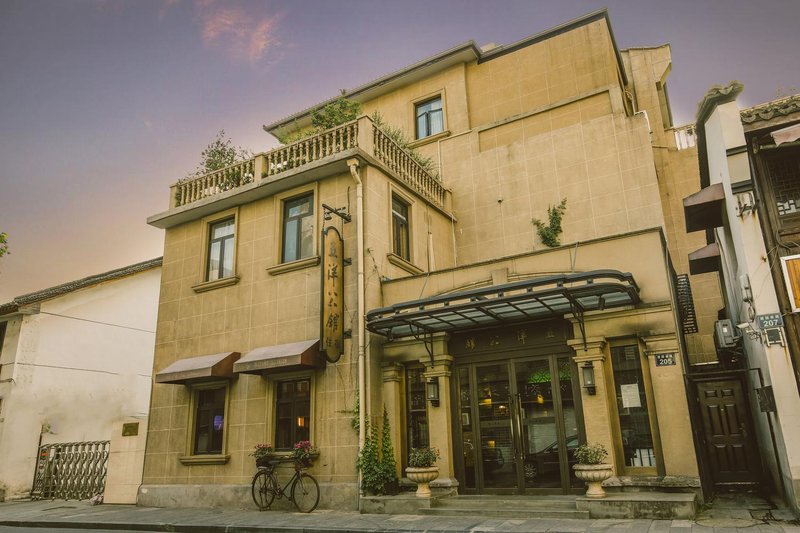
(725, 333)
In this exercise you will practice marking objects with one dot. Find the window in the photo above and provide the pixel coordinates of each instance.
(400, 244)
(430, 119)
(416, 409)
(209, 422)
(220, 250)
(634, 419)
(298, 228)
(293, 413)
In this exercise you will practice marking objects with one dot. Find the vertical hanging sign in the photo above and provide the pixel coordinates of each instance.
(332, 289)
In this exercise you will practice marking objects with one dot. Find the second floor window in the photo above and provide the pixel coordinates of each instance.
(298, 228)
(400, 244)
(220, 250)
(430, 118)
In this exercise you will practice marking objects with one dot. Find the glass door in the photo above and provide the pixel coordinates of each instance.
(519, 425)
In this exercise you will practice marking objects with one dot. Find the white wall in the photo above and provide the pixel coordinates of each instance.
(744, 252)
(83, 362)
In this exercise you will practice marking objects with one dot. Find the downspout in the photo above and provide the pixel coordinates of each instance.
(362, 389)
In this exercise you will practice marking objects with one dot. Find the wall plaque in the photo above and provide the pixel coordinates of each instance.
(665, 359)
(772, 320)
(332, 292)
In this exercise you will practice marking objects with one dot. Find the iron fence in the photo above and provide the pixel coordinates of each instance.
(70, 470)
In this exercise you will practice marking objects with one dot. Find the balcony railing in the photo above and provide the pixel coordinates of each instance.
(685, 136)
(361, 133)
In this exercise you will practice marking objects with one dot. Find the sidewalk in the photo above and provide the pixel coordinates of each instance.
(60, 514)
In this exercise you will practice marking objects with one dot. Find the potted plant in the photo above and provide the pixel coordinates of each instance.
(592, 469)
(421, 469)
(304, 453)
(262, 453)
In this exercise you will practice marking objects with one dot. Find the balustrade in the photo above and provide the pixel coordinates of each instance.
(270, 164)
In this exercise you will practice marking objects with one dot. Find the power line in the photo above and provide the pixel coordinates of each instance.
(83, 369)
(97, 322)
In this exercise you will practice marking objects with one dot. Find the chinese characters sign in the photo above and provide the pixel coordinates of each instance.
(332, 289)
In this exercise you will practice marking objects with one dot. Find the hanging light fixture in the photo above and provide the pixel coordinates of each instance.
(432, 391)
(588, 378)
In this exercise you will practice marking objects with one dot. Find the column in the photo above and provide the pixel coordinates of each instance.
(440, 423)
(596, 409)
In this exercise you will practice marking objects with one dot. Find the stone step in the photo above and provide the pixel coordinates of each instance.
(503, 512)
(532, 503)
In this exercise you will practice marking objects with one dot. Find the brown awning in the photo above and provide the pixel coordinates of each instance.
(202, 368)
(706, 259)
(294, 356)
(704, 209)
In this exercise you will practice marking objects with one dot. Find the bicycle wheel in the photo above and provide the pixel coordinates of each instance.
(305, 493)
(263, 490)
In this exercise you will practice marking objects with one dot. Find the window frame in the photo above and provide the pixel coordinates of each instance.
(279, 265)
(408, 410)
(222, 241)
(191, 457)
(427, 99)
(398, 225)
(204, 284)
(619, 450)
(293, 437)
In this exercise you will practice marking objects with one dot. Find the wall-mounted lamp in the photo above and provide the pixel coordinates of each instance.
(748, 329)
(588, 378)
(432, 391)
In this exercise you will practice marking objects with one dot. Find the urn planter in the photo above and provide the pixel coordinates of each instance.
(422, 476)
(594, 475)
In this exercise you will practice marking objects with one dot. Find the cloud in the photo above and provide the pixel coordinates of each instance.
(165, 5)
(242, 35)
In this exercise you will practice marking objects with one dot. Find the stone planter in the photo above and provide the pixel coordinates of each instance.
(594, 475)
(422, 477)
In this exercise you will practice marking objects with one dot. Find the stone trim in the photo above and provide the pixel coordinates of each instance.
(294, 265)
(190, 460)
(409, 267)
(215, 284)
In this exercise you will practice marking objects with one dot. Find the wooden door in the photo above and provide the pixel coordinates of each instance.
(728, 432)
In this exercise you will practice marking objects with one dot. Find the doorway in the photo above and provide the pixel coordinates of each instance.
(733, 456)
(518, 424)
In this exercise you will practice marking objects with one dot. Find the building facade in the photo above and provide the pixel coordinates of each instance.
(74, 360)
(750, 169)
(447, 287)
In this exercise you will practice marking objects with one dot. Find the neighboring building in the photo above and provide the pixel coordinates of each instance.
(460, 298)
(74, 360)
(749, 207)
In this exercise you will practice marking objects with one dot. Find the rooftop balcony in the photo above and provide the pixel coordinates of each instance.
(312, 158)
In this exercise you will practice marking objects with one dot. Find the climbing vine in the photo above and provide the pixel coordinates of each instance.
(550, 232)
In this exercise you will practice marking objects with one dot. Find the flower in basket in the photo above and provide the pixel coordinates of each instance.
(262, 451)
(423, 457)
(304, 452)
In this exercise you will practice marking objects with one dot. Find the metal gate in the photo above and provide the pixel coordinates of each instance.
(70, 470)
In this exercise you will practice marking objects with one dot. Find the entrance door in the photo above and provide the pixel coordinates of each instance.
(727, 432)
(519, 425)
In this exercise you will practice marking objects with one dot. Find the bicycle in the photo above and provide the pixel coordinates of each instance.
(303, 489)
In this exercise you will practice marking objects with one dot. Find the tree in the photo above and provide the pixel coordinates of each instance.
(220, 154)
(4, 244)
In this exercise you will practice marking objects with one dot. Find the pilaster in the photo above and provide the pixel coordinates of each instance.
(440, 424)
(596, 408)
(392, 395)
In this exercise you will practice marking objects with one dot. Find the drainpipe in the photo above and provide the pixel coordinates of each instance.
(362, 382)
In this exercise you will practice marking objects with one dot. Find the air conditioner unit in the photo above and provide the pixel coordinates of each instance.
(725, 333)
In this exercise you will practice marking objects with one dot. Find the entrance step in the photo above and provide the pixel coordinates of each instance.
(507, 507)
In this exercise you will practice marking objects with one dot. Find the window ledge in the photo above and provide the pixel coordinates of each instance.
(294, 265)
(216, 284)
(429, 139)
(409, 267)
(210, 459)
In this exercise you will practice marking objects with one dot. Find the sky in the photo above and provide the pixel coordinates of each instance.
(105, 103)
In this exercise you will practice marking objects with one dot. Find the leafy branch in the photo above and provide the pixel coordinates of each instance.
(549, 232)
(4, 244)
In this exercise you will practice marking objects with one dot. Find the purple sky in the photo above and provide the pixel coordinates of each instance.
(105, 103)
